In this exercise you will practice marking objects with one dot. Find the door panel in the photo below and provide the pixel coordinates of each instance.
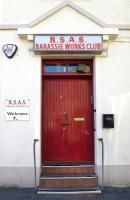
(67, 120)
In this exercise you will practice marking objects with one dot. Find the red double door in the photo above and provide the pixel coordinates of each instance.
(67, 125)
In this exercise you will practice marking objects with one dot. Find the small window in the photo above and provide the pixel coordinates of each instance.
(54, 68)
(70, 68)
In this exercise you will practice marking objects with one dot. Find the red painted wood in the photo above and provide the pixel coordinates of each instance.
(59, 74)
(73, 142)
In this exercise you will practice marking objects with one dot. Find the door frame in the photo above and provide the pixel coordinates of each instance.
(69, 75)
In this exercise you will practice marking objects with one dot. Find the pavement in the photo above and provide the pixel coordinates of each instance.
(109, 193)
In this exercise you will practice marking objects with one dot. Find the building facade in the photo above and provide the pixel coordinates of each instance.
(63, 66)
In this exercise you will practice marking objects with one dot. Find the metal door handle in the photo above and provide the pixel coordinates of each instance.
(65, 124)
(65, 115)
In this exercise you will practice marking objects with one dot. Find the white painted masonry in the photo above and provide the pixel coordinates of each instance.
(20, 78)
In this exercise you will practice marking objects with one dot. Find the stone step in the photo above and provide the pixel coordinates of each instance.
(68, 181)
(76, 169)
(70, 190)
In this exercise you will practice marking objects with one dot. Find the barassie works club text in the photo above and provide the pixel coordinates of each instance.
(68, 43)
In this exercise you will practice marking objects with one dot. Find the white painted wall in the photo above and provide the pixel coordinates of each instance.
(20, 77)
(112, 11)
(116, 98)
(64, 18)
(113, 97)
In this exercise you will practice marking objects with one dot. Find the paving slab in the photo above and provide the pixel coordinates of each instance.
(109, 193)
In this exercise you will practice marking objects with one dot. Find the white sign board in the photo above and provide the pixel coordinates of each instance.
(17, 109)
(69, 43)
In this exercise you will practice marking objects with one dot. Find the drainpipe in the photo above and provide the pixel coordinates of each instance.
(102, 143)
(35, 170)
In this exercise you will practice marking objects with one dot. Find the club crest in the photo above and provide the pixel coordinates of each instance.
(10, 50)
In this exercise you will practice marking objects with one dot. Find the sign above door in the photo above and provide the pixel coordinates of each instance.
(68, 43)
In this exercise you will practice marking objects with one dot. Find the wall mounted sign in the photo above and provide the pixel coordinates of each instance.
(17, 109)
(68, 43)
(10, 50)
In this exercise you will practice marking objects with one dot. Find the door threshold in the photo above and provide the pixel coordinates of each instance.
(68, 163)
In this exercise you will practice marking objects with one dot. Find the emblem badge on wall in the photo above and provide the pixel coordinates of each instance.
(10, 50)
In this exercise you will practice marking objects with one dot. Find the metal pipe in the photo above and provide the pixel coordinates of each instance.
(35, 171)
(101, 140)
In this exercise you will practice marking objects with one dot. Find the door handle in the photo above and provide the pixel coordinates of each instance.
(65, 115)
(65, 124)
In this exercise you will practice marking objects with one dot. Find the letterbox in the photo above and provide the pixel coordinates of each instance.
(108, 120)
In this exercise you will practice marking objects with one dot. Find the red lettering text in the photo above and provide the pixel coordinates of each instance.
(81, 39)
(62, 39)
(52, 39)
(71, 39)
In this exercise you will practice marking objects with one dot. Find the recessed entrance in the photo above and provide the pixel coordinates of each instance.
(67, 111)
